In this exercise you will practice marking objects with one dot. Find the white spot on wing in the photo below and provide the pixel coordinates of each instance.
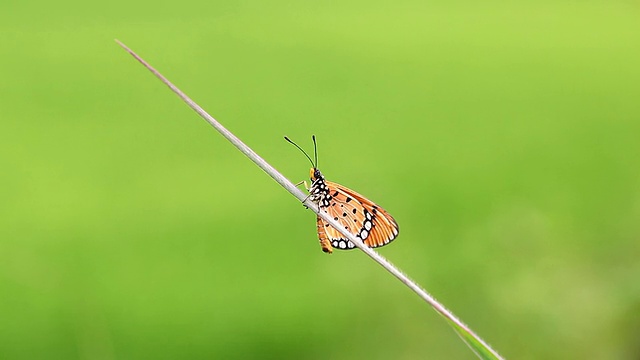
(342, 244)
(367, 225)
(364, 234)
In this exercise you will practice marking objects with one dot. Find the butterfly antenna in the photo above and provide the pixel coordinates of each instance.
(315, 150)
(299, 148)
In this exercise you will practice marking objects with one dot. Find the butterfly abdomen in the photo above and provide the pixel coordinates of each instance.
(325, 244)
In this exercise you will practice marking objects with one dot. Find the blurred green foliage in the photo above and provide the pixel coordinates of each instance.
(503, 137)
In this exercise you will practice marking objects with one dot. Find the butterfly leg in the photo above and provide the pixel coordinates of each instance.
(306, 187)
(305, 199)
(305, 184)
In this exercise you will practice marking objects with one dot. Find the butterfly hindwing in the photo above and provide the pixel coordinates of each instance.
(385, 229)
(361, 217)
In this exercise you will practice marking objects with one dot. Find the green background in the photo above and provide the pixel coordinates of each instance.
(502, 136)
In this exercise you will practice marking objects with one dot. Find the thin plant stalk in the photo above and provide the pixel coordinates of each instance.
(477, 345)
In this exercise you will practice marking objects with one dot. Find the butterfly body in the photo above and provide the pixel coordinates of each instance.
(359, 216)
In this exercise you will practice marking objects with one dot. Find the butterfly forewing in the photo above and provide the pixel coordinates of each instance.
(359, 216)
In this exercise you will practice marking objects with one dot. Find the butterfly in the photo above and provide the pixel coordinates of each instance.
(359, 215)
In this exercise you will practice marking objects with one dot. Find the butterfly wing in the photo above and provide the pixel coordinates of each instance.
(359, 216)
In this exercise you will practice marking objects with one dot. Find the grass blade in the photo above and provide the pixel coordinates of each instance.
(477, 345)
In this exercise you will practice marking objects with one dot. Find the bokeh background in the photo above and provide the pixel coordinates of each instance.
(502, 136)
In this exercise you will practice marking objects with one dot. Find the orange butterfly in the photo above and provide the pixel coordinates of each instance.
(359, 215)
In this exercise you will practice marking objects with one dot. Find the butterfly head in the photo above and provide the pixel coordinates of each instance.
(315, 175)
